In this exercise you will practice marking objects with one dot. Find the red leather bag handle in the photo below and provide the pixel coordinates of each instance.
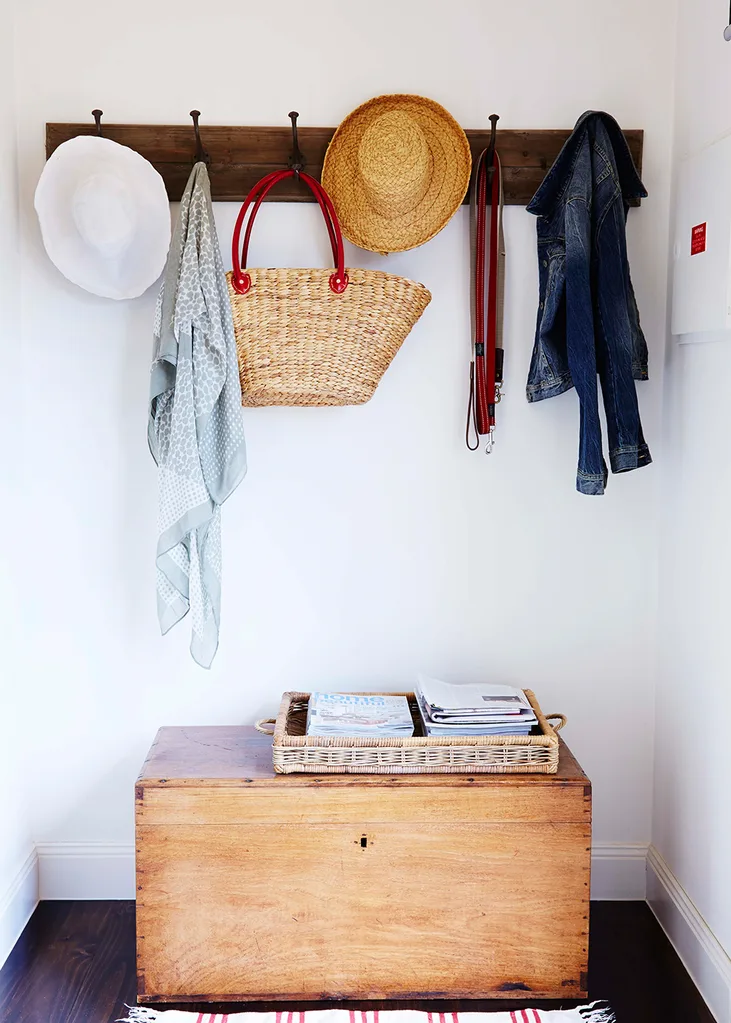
(322, 199)
(240, 280)
(266, 184)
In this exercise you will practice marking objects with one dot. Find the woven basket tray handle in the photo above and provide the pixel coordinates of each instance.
(241, 280)
(561, 721)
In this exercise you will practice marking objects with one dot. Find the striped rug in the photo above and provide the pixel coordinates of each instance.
(598, 1012)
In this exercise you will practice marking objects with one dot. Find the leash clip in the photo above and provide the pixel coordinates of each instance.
(490, 441)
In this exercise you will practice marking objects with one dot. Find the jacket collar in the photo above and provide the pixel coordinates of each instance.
(555, 182)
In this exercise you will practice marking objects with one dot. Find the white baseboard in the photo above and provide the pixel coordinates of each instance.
(619, 871)
(17, 904)
(99, 870)
(699, 949)
(86, 870)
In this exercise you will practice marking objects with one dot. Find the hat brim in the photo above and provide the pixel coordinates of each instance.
(143, 260)
(450, 176)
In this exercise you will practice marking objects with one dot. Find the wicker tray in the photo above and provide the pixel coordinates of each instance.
(293, 751)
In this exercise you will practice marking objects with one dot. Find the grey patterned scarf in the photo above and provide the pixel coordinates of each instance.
(195, 429)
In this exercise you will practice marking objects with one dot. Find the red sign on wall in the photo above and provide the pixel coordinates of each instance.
(698, 239)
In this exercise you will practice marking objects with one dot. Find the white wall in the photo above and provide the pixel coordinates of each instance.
(692, 805)
(357, 550)
(18, 885)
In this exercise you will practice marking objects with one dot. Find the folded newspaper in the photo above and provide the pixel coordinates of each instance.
(348, 714)
(473, 708)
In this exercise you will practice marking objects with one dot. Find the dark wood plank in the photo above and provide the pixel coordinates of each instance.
(239, 754)
(75, 964)
(242, 155)
(71, 964)
(632, 963)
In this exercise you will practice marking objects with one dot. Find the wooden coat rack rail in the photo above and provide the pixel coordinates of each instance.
(240, 155)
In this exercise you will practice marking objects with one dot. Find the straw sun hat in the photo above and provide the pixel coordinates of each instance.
(397, 170)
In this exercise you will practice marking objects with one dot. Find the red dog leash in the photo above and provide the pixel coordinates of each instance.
(487, 258)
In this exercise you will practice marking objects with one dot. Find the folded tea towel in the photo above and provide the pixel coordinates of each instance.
(595, 1013)
(195, 429)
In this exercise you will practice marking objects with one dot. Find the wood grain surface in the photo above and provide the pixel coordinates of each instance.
(75, 963)
(287, 911)
(240, 156)
(348, 805)
(238, 755)
(238, 867)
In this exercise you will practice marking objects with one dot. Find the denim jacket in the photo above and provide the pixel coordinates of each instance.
(588, 322)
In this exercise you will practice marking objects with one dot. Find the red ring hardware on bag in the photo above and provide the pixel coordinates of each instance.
(240, 280)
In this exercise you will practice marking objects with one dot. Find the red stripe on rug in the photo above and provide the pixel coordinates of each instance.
(455, 1017)
(442, 1018)
(279, 1018)
(352, 1016)
(513, 1018)
(525, 1016)
(536, 1017)
(429, 1018)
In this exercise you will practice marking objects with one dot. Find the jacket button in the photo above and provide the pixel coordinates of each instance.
(545, 262)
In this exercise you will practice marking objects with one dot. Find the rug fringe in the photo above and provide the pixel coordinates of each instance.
(140, 1014)
(597, 1012)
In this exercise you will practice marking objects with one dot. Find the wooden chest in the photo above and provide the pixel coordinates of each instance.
(256, 886)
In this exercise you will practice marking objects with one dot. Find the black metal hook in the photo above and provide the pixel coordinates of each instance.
(296, 160)
(97, 115)
(201, 154)
(493, 119)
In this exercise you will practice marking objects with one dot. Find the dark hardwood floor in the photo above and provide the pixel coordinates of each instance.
(75, 963)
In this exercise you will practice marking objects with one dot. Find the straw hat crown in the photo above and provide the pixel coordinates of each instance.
(397, 170)
(395, 163)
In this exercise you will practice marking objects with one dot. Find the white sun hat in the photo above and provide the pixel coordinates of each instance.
(104, 216)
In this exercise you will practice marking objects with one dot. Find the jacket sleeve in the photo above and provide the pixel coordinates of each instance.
(580, 340)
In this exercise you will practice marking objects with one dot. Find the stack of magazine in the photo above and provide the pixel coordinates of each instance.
(473, 709)
(347, 714)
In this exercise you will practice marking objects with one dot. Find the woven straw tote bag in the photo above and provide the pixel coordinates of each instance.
(315, 337)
